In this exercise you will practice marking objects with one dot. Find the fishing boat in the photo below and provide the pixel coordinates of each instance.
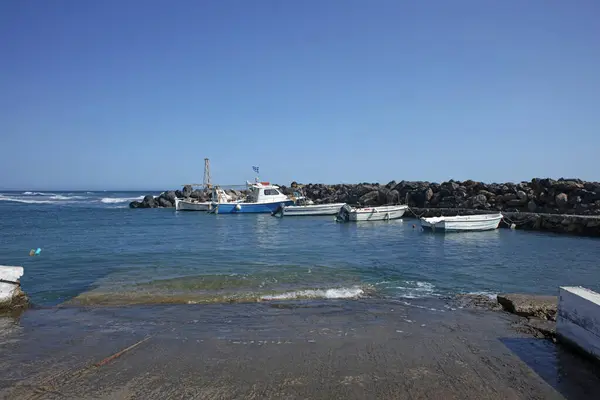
(308, 209)
(484, 222)
(262, 198)
(218, 196)
(380, 213)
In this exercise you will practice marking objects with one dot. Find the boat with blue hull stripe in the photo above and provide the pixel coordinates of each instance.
(262, 198)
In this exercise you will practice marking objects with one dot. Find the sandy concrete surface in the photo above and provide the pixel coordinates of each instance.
(370, 349)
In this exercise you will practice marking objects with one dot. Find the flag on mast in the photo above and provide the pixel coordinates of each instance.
(255, 169)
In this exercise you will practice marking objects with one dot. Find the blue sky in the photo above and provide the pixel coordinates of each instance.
(134, 94)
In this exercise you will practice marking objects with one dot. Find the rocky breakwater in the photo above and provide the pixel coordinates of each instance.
(167, 199)
(561, 206)
(562, 196)
(538, 196)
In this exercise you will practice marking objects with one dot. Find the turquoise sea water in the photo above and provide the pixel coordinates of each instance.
(97, 251)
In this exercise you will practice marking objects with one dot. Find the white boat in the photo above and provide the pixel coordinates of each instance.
(380, 213)
(483, 222)
(309, 209)
(10, 286)
(218, 196)
(263, 197)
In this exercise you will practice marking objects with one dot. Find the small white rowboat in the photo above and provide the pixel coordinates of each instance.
(381, 213)
(310, 209)
(482, 222)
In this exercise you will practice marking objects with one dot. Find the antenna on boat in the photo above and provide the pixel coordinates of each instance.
(207, 184)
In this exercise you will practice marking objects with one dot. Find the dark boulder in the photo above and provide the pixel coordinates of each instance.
(479, 201)
(170, 195)
(592, 186)
(148, 202)
(392, 197)
(369, 199)
(200, 195)
(568, 185)
(428, 194)
(561, 200)
(362, 189)
(451, 186)
(531, 206)
(487, 193)
(164, 202)
(417, 198)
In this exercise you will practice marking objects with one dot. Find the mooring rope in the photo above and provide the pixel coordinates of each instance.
(510, 222)
(415, 214)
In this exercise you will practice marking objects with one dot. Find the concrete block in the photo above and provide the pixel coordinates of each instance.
(578, 322)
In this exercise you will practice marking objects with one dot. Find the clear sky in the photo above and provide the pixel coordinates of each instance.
(133, 94)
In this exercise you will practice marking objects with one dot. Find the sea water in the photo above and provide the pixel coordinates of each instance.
(97, 251)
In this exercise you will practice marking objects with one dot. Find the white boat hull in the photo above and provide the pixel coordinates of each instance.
(186, 205)
(313, 209)
(483, 222)
(9, 283)
(383, 213)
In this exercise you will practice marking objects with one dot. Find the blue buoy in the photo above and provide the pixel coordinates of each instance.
(38, 251)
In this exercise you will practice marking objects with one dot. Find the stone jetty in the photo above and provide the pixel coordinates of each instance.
(562, 205)
(546, 196)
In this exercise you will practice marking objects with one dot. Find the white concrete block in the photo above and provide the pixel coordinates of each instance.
(7, 275)
(578, 320)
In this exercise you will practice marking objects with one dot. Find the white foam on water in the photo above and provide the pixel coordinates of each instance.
(409, 304)
(415, 289)
(26, 201)
(116, 200)
(38, 194)
(491, 295)
(334, 293)
(60, 197)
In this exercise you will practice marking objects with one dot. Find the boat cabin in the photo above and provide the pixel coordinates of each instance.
(264, 192)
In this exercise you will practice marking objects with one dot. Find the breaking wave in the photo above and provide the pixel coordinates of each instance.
(128, 295)
(60, 197)
(116, 200)
(336, 293)
(27, 201)
(38, 194)
(415, 289)
(490, 295)
(40, 198)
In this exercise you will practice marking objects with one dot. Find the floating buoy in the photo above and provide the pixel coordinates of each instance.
(513, 226)
(238, 207)
(33, 252)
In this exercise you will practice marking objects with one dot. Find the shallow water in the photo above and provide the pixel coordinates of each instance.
(330, 349)
(97, 251)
